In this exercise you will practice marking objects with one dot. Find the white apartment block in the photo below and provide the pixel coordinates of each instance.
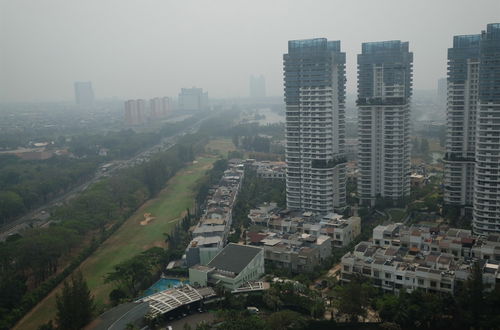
(384, 92)
(401, 258)
(315, 125)
(462, 100)
(486, 212)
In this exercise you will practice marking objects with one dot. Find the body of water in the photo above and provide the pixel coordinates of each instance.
(164, 284)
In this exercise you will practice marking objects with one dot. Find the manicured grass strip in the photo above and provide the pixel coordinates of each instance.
(221, 145)
(130, 239)
(397, 214)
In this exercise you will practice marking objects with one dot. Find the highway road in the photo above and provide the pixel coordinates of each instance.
(41, 216)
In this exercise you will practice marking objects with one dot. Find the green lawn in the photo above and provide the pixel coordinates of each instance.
(221, 146)
(397, 214)
(131, 238)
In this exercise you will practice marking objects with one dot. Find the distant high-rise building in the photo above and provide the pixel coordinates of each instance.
(193, 99)
(441, 90)
(130, 112)
(159, 107)
(84, 95)
(135, 112)
(155, 108)
(141, 111)
(463, 75)
(166, 105)
(314, 77)
(486, 212)
(257, 87)
(384, 93)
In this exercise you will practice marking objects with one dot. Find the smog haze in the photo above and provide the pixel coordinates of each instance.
(146, 48)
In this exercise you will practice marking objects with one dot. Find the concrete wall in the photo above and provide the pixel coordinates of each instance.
(198, 277)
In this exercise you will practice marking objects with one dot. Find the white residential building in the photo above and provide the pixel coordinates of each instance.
(401, 258)
(384, 92)
(463, 74)
(486, 212)
(314, 76)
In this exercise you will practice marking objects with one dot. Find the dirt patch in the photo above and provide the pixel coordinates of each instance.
(147, 219)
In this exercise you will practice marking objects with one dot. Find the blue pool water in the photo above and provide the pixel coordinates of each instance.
(164, 284)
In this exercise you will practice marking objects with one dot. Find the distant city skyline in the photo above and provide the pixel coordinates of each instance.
(218, 46)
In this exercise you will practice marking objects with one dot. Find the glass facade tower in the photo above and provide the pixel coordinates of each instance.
(385, 78)
(314, 81)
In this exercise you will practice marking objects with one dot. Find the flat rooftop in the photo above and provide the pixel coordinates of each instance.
(234, 258)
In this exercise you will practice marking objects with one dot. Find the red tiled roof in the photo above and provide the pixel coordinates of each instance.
(255, 237)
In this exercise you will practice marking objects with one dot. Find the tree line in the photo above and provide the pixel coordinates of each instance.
(255, 191)
(28, 262)
(472, 306)
(27, 184)
(31, 264)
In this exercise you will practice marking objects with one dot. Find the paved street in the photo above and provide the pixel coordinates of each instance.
(192, 320)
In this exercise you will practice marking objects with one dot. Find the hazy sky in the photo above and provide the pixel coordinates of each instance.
(147, 48)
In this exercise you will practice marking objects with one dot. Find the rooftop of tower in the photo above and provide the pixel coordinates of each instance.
(466, 41)
(492, 31)
(316, 44)
(384, 47)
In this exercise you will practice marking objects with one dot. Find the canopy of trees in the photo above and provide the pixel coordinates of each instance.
(28, 262)
(75, 305)
(25, 185)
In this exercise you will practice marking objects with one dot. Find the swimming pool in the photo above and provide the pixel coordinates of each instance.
(164, 284)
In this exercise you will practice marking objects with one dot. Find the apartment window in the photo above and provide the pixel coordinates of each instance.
(433, 284)
(420, 281)
(387, 275)
(399, 277)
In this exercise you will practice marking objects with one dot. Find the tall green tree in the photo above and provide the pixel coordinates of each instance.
(354, 298)
(471, 298)
(75, 305)
(285, 319)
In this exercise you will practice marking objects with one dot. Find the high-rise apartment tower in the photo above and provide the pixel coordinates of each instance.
(193, 99)
(314, 78)
(486, 212)
(461, 112)
(441, 91)
(384, 93)
(84, 94)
